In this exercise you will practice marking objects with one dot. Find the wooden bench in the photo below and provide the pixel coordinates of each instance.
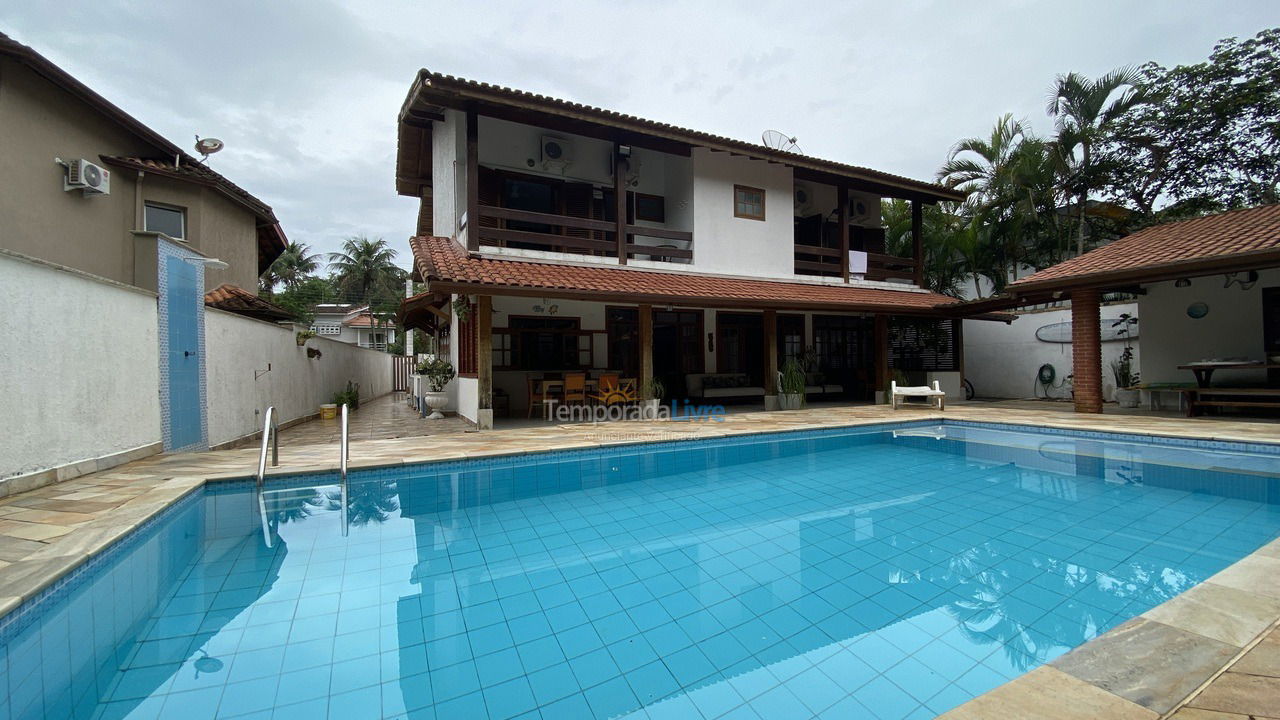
(1232, 397)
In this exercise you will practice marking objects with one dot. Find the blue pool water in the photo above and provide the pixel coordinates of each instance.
(878, 573)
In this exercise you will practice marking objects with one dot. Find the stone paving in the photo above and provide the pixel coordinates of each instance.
(1211, 653)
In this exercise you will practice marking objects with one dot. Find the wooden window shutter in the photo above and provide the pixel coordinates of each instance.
(426, 214)
(489, 185)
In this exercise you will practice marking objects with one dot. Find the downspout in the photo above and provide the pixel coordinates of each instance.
(138, 219)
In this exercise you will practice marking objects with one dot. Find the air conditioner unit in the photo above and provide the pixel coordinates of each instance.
(84, 175)
(863, 211)
(557, 153)
(803, 199)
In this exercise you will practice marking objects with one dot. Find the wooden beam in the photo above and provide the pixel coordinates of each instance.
(646, 346)
(917, 241)
(473, 181)
(842, 199)
(484, 351)
(881, 357)
(770, 352)
(620, 205)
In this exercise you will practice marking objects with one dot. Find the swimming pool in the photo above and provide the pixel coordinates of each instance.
(885, 571)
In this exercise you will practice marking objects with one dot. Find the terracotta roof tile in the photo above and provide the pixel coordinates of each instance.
(442, 262)
(236, 299)
(430, 84)
(1214, 237)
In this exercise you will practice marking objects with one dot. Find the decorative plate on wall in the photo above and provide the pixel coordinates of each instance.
(1197, 310)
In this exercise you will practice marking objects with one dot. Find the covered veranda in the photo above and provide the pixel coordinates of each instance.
(525, 334)
(1208, 294)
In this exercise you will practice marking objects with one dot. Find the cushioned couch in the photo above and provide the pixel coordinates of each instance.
(720, 386)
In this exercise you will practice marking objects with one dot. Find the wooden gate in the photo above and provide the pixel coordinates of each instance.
(401, 369)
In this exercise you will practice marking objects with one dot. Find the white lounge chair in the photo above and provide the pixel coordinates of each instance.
(924, 391)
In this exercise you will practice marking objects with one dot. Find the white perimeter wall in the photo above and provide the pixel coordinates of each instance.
(238, 346)
(79, 364)
(1002, 361)
(1233, 328)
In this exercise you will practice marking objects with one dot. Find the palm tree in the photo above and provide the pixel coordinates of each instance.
(364, 267)
(294, 265)
(979, 166)
(1084, 110)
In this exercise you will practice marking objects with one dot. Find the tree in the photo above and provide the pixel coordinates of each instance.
(294, 265)
(365, 270)
(980, 166)
(1085, 111)
(305, 295)
(1210, 137)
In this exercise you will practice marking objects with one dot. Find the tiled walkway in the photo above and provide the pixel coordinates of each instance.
(46, 532)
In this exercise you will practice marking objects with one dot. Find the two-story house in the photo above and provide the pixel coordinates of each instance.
(92, 192)
(352, 323)
(557, 238)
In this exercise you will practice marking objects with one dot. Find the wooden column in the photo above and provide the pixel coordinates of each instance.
(473, 181)
(484, 360)
(770, 354)
(620, 203)
(917, 241)
(646, 347)
(881, 360)
(1086, 350)
(842, 217)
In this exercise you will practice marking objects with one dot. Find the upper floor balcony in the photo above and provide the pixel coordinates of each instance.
(511, 173)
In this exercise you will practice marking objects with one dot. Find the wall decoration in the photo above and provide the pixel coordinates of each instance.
(1197, 310)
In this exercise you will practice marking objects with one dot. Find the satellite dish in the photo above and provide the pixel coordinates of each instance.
(779, 141)
(208, 146)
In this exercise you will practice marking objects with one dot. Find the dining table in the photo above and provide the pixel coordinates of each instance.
(1204, 370)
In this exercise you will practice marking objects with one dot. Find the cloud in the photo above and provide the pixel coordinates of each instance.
(305, 94)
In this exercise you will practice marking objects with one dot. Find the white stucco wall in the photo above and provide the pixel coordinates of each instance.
(80, 367)
(726, 244)
(1002, 361)
(296, 385)
(448, 170)
(1233, 328)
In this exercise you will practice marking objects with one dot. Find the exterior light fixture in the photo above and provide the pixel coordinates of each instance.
(209, 263)
(1182, 282)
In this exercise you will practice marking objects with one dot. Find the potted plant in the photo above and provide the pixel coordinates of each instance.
(303, 336)
(791, 384)
(1126, 379)
(437, 372)
(652, 391)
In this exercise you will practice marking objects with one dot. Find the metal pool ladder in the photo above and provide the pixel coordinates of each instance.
(270, 433)
(344, 452)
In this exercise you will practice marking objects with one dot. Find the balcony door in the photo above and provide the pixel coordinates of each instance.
(845, 346)
(740, 340)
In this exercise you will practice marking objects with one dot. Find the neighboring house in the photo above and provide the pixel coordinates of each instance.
(353, 324)
(1208, 289)
(580, 239)
(114, 235)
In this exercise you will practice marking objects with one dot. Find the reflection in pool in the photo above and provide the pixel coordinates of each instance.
(842, 573)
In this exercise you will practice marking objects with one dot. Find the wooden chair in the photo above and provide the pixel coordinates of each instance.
(606, 383)
(575, 388)
(536, 395)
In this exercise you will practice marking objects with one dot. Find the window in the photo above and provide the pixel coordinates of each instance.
(650, 208)
(748, 202)
(327, 329)
(171, 221)
(544, 343)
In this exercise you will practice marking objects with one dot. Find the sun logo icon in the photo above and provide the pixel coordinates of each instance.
(613, 395)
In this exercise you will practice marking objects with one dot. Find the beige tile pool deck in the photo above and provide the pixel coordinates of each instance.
(1212, 653)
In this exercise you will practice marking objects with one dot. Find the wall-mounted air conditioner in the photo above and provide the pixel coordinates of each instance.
(557, 153)
(803, 200)
(84, 175)
(863, 211)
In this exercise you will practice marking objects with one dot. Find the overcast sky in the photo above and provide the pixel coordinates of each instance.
(305, 92)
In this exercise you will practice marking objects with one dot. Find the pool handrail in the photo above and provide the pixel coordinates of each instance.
(270, 433)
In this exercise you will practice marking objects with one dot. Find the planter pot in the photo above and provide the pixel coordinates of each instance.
(1127, 398)
(437, 401)
(790, 401)
(649, 409)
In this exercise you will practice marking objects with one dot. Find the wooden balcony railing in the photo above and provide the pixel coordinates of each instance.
(581, 236)
(813, 260)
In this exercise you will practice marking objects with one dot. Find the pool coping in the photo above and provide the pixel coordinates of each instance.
(1133, 665)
